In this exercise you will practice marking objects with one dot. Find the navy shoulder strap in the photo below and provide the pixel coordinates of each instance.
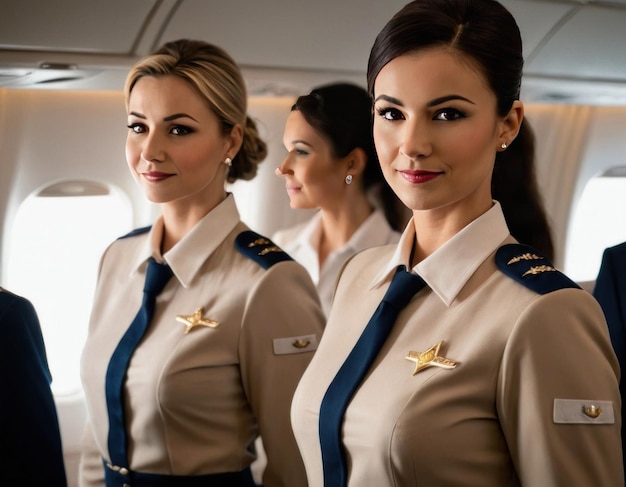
(531, 269)
(260, 249)
(136, 231)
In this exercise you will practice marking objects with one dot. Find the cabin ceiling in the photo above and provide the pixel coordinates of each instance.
(575, 50)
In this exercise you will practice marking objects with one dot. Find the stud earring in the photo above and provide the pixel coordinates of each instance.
(503, 146)
(349, 179)
(228, 161)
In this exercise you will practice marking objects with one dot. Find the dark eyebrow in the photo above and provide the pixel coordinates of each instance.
(390, 99)
(178, 115)
(432, 103)
(444, 99)
(166, 119)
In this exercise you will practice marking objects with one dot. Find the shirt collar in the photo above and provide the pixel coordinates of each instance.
(188, 255)
(310, 235)
(306, 244)
(449, 268)
(369, 234)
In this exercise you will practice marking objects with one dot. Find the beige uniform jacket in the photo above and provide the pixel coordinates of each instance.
(196, 401)
(508, 414)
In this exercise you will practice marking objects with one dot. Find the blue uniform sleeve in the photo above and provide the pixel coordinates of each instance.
(29, 428)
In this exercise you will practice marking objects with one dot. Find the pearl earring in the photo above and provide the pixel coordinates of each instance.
(503, 146)
(228, 161)
(349, 179)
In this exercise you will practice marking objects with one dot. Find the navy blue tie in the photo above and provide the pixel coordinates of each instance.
(157, 276)
(402, 288)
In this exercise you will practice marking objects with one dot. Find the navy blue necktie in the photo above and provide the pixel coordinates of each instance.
(157, 276)
(402, 288)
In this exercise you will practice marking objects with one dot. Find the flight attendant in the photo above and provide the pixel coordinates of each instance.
(30, 438)
(483, 366)
(179, 391)
(331, 165)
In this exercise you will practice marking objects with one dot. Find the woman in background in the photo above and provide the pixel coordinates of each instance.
(178, 397)
(332, 165)
(482, 366)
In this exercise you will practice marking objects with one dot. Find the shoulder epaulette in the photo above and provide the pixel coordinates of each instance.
(260, 249)
(533, 270)
(136, 231)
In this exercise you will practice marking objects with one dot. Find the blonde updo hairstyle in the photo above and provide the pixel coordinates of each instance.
(216, 77)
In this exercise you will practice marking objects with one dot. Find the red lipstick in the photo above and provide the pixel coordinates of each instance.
(418, 177)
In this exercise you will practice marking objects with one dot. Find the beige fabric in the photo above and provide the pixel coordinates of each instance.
(302, 243)
(196, 401)
(488, 422)
(584, 411)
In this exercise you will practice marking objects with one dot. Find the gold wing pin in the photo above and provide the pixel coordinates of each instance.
(196, 319)
(430, 358)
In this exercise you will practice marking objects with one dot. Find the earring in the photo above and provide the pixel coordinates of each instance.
(349, 179)
(503, 146)
(228, 161)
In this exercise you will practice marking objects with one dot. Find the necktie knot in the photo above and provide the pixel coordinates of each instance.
(157, 276)
(403, 287)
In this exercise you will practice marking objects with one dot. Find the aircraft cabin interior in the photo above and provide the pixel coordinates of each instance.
(65, 190)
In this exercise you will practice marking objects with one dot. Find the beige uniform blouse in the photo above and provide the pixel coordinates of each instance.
(196, 401)
(302, 243)
(509, 413)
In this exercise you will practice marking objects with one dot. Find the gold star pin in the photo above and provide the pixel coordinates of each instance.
(429, 358)
(196, 319)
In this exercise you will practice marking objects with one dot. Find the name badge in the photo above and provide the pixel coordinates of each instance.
(299, 344)
(583, 411)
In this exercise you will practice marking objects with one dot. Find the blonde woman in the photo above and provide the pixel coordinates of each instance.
(178, 394)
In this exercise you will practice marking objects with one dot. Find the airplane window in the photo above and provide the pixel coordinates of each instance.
(54, 252)
(598, 222)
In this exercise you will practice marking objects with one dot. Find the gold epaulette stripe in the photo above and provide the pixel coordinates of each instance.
(267, 250)
(539, 269)
(527, 256)
(259, 241)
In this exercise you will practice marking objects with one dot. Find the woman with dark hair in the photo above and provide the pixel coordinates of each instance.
(482, 365)
(332, 165)
(180, 382)
(514, 186)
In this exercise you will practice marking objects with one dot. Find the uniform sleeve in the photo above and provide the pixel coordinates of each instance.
(283, 322)
(91, 469)
(29, 428)
(611, 298)
(559, 359)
